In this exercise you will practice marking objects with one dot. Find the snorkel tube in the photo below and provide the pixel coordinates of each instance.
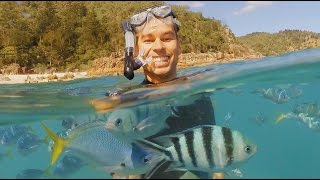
(129, 40)
(131, 64)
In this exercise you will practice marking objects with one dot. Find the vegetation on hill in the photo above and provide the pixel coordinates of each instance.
(68, 35)
(284, 41)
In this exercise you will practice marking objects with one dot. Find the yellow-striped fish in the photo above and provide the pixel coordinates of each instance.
(94, 144)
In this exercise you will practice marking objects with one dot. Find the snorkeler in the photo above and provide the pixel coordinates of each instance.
(157, 48)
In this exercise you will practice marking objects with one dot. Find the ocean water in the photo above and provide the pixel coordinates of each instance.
(247, 95)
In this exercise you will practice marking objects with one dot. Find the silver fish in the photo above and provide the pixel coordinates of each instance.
(95, 144)
(204, 148)
(139, 122)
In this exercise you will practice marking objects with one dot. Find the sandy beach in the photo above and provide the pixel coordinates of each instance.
(40, 78)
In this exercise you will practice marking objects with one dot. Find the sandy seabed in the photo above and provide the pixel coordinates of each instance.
(22, 78)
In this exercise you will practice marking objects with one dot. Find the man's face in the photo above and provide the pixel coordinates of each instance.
(159, 41)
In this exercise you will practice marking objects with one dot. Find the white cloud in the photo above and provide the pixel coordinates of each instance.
(192, 4)
(252, 6)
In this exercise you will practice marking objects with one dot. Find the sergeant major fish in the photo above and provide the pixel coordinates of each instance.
(68, 165)
(31, 174)
(10, 134)
(29, 142)
(139, 122)
(94, 144)
(204, 148)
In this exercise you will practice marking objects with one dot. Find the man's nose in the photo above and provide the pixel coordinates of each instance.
(158, 45)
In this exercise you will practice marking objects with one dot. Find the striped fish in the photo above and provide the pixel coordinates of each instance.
(204, 148)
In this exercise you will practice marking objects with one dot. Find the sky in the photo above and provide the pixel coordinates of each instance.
(245, 17)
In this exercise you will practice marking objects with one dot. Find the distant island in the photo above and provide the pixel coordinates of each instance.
(269, 44)
(48, 37)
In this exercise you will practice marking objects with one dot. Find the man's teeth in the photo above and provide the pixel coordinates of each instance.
(159, 59)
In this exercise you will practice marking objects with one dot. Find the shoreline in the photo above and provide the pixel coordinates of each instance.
(41, 78)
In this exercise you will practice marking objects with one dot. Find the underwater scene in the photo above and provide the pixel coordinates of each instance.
(266, 112)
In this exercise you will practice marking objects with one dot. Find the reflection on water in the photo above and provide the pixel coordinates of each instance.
(248, 96)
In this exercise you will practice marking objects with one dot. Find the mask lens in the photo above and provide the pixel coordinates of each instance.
(161, 11)
(138, 19)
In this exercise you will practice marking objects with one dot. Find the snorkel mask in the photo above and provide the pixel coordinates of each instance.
(129, 28)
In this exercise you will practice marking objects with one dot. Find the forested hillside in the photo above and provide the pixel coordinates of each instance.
(70, 35)
(281, 42)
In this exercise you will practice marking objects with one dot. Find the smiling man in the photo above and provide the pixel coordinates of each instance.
(158, 39)
(158, 48)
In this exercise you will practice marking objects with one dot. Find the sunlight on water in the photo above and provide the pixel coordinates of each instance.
(248, 96)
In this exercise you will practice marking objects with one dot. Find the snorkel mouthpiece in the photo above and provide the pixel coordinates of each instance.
(131, 64)
(128, 61)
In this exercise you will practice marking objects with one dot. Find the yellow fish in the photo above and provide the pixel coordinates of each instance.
(280, 118)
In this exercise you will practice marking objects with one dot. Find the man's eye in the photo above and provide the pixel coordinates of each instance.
(147, 41)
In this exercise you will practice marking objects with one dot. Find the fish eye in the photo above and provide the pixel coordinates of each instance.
(146, 159)
(247, 149)
(118, 122)
(123, 164)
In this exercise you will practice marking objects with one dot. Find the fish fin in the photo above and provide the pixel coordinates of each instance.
(174, 111)
(147, 122)
(59, 144)
(165, 140)
(110, 169)
(189, 175)
(174, 167)
(280, 118)
(149, 174)
(150, 145)
(47, 172)
(219, 175)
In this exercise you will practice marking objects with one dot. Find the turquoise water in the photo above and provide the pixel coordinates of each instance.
(241, 94)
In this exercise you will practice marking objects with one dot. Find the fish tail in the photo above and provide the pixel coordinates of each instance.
(279, 118)
(59, 144)
(47, 172)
